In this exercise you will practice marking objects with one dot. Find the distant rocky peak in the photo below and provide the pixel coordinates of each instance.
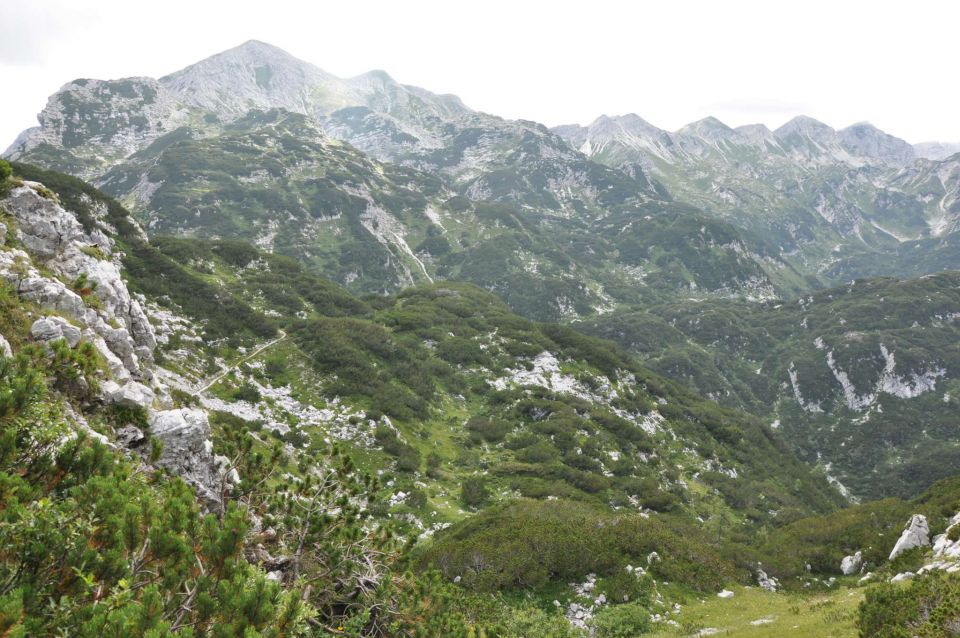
(630, 123)
(376, 77)
(936, 150)
(253, 75)
(866, 140)
(708, 128)
(805, 126)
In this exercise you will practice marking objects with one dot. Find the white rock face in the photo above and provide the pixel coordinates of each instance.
(5, 348)
(131, 394)
(53, 328)
(726, 593)
(187, 452)
(916, 534)
(56, 240)
(851, 564)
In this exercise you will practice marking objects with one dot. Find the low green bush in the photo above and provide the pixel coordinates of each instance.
(474, 492)
(528, 543)
(621, 621)
(928, 607)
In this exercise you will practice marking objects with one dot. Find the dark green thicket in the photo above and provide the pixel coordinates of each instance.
(408, 354)
(86, 545)
(153, 273)
(741, 353)
(5, 172)
(929, 607)
(530, 543)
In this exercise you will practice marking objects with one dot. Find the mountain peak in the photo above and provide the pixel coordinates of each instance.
(253, 75)
(378, 75)
(253, 43)
(804, 124)
(866, 140)
(630, 123)
(258, 46)
(709, 128)
(249, 53)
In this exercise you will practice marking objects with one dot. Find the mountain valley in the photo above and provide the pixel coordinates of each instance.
(287, 354)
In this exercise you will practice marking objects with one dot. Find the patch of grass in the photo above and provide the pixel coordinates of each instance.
(824, 615)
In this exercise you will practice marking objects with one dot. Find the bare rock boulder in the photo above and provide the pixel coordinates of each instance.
(916, 534)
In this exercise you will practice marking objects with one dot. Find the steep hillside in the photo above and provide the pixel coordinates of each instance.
(861, 378)
(252, 380)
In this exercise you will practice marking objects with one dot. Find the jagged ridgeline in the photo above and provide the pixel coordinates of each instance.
(379, 185)
(838, 204)
(340, 431)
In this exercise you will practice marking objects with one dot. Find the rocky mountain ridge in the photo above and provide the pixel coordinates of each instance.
(434, 191)
(825, 204)
(818, 194)
(73, 275)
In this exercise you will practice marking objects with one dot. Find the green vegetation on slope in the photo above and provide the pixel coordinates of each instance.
(891, 433)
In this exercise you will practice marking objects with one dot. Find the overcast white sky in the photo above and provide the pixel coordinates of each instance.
(672, 62)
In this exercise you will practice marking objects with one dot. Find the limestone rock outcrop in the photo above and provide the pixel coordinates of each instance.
(187, 450)
(851, 564)
(55, 240)
(916, 534)
(53, 328)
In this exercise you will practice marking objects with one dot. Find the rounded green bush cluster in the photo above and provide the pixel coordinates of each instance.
(930, 606)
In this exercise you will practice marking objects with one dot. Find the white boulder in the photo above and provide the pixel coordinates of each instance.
(916, 534)
(131, 394)
(726, 593)
(851, 564)
(767, 582)
(53, 328)
(187, 452)
(5, 348)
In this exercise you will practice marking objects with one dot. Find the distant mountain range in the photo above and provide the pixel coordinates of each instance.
(379, 186)
(809, 203)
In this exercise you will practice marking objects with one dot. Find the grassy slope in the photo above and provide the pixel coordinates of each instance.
(756, 613)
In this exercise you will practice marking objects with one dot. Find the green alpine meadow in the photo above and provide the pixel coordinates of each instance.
(286, 353)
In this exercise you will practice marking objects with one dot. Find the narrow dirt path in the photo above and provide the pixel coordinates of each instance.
(228, 370)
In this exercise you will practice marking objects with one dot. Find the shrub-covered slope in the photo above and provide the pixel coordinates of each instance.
(862, 377)
(312, 428)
